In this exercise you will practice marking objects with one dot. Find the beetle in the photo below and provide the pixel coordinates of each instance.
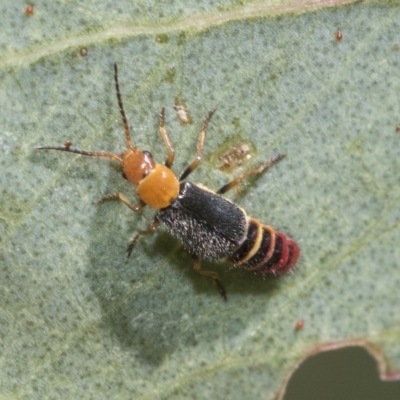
(209, 226)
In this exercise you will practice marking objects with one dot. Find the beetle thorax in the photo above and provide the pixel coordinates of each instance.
(160, 188)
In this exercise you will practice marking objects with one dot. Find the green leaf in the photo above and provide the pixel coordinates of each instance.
(80, 320)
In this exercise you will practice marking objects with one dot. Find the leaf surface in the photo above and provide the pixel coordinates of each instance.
(79, 319)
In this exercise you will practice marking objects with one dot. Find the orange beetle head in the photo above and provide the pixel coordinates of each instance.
(137, 164)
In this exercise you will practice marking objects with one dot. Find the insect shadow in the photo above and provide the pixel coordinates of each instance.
(147, 300)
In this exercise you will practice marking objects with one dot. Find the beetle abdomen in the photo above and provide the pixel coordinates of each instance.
(265, 250)
(208, 225)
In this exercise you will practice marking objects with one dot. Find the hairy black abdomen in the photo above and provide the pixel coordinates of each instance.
(207, 224)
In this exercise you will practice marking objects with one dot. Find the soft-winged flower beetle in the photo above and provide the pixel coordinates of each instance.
(209, 226)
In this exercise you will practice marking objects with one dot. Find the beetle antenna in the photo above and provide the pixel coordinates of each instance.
(67, 147)
(121, 109)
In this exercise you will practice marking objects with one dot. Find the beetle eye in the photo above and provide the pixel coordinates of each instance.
(124, 175)
(148, 154)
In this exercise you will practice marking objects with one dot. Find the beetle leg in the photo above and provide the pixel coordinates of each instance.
(209, 274)
(171, 152)
(254, 171)
(200, 143)
(152, 228)
(124, 199)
